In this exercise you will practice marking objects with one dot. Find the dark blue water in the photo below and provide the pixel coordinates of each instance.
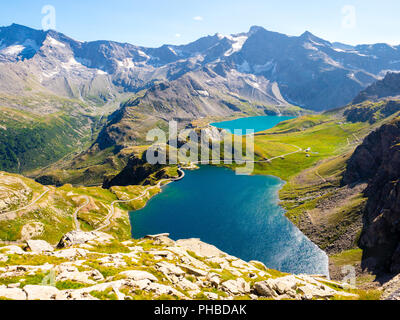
(258, 124)
(238, 214)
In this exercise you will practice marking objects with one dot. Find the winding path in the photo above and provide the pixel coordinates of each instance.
(77, 224)
(31, 204)
(107, 220)
(253, 161)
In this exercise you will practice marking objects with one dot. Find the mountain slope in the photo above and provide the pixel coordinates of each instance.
(254, 73)
(377, 161)
(195, 95)
(303, 67)
(387, 87)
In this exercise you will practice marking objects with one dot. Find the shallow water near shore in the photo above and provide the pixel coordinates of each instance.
(238, 214)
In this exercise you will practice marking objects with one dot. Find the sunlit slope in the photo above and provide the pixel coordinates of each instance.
(33, 211)
(313, 137)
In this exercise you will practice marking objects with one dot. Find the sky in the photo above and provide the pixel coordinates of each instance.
(152, 23)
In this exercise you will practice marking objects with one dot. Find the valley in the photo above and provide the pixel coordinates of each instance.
(323, 194)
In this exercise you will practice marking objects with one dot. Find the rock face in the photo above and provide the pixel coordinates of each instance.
(392, 289)
(39, 246)
(387, 87)
(377, 161)
(81, 237)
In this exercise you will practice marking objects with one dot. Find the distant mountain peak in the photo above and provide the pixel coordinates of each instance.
(309, 71)
(307, 35)
(255, 29)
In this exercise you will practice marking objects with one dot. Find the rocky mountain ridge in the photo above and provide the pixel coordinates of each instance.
(385, 88)
(98, 70)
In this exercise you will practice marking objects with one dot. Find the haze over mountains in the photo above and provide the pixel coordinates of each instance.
(259, 65)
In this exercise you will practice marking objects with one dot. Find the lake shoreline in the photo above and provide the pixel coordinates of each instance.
(273, 202)
(274, 198)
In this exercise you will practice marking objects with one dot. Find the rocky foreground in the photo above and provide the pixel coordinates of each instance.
(93, 265)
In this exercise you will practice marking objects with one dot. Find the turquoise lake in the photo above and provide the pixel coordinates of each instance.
(258, 124)
(238, 214)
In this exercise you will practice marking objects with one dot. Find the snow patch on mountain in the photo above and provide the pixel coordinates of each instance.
(13, 50)
(252, 83)
(142, 54)
(53, 42)
(238, 42)
(70, 64)
(126, 63)
(309, 46)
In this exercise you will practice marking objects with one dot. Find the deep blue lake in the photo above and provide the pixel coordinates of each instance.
(258, 124)
(238, 214)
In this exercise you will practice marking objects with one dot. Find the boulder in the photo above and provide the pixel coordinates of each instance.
(12, 250)
(82, 277)
(160, 289)
(70, 253)
(170, 269)
(115, 261)
(240, 264)
(81, 237)
(138, 275)
(283, 285)
(264, 289)
(84, 293)
(222, 262)
(39, 246)
(161, 254)
(156, 236)
(211, 295)
(194, 271)
(238, 286)
(41, 292)
(12, 293)
(200, 248)
(312, 292)
(140, 284)
(214, 279)
(186, 285)
(161, 239)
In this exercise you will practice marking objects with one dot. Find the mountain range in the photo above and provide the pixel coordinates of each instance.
(74, 117)
(72, 91)
(260, 65)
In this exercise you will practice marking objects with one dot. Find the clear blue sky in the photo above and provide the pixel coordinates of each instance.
(156, 22)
